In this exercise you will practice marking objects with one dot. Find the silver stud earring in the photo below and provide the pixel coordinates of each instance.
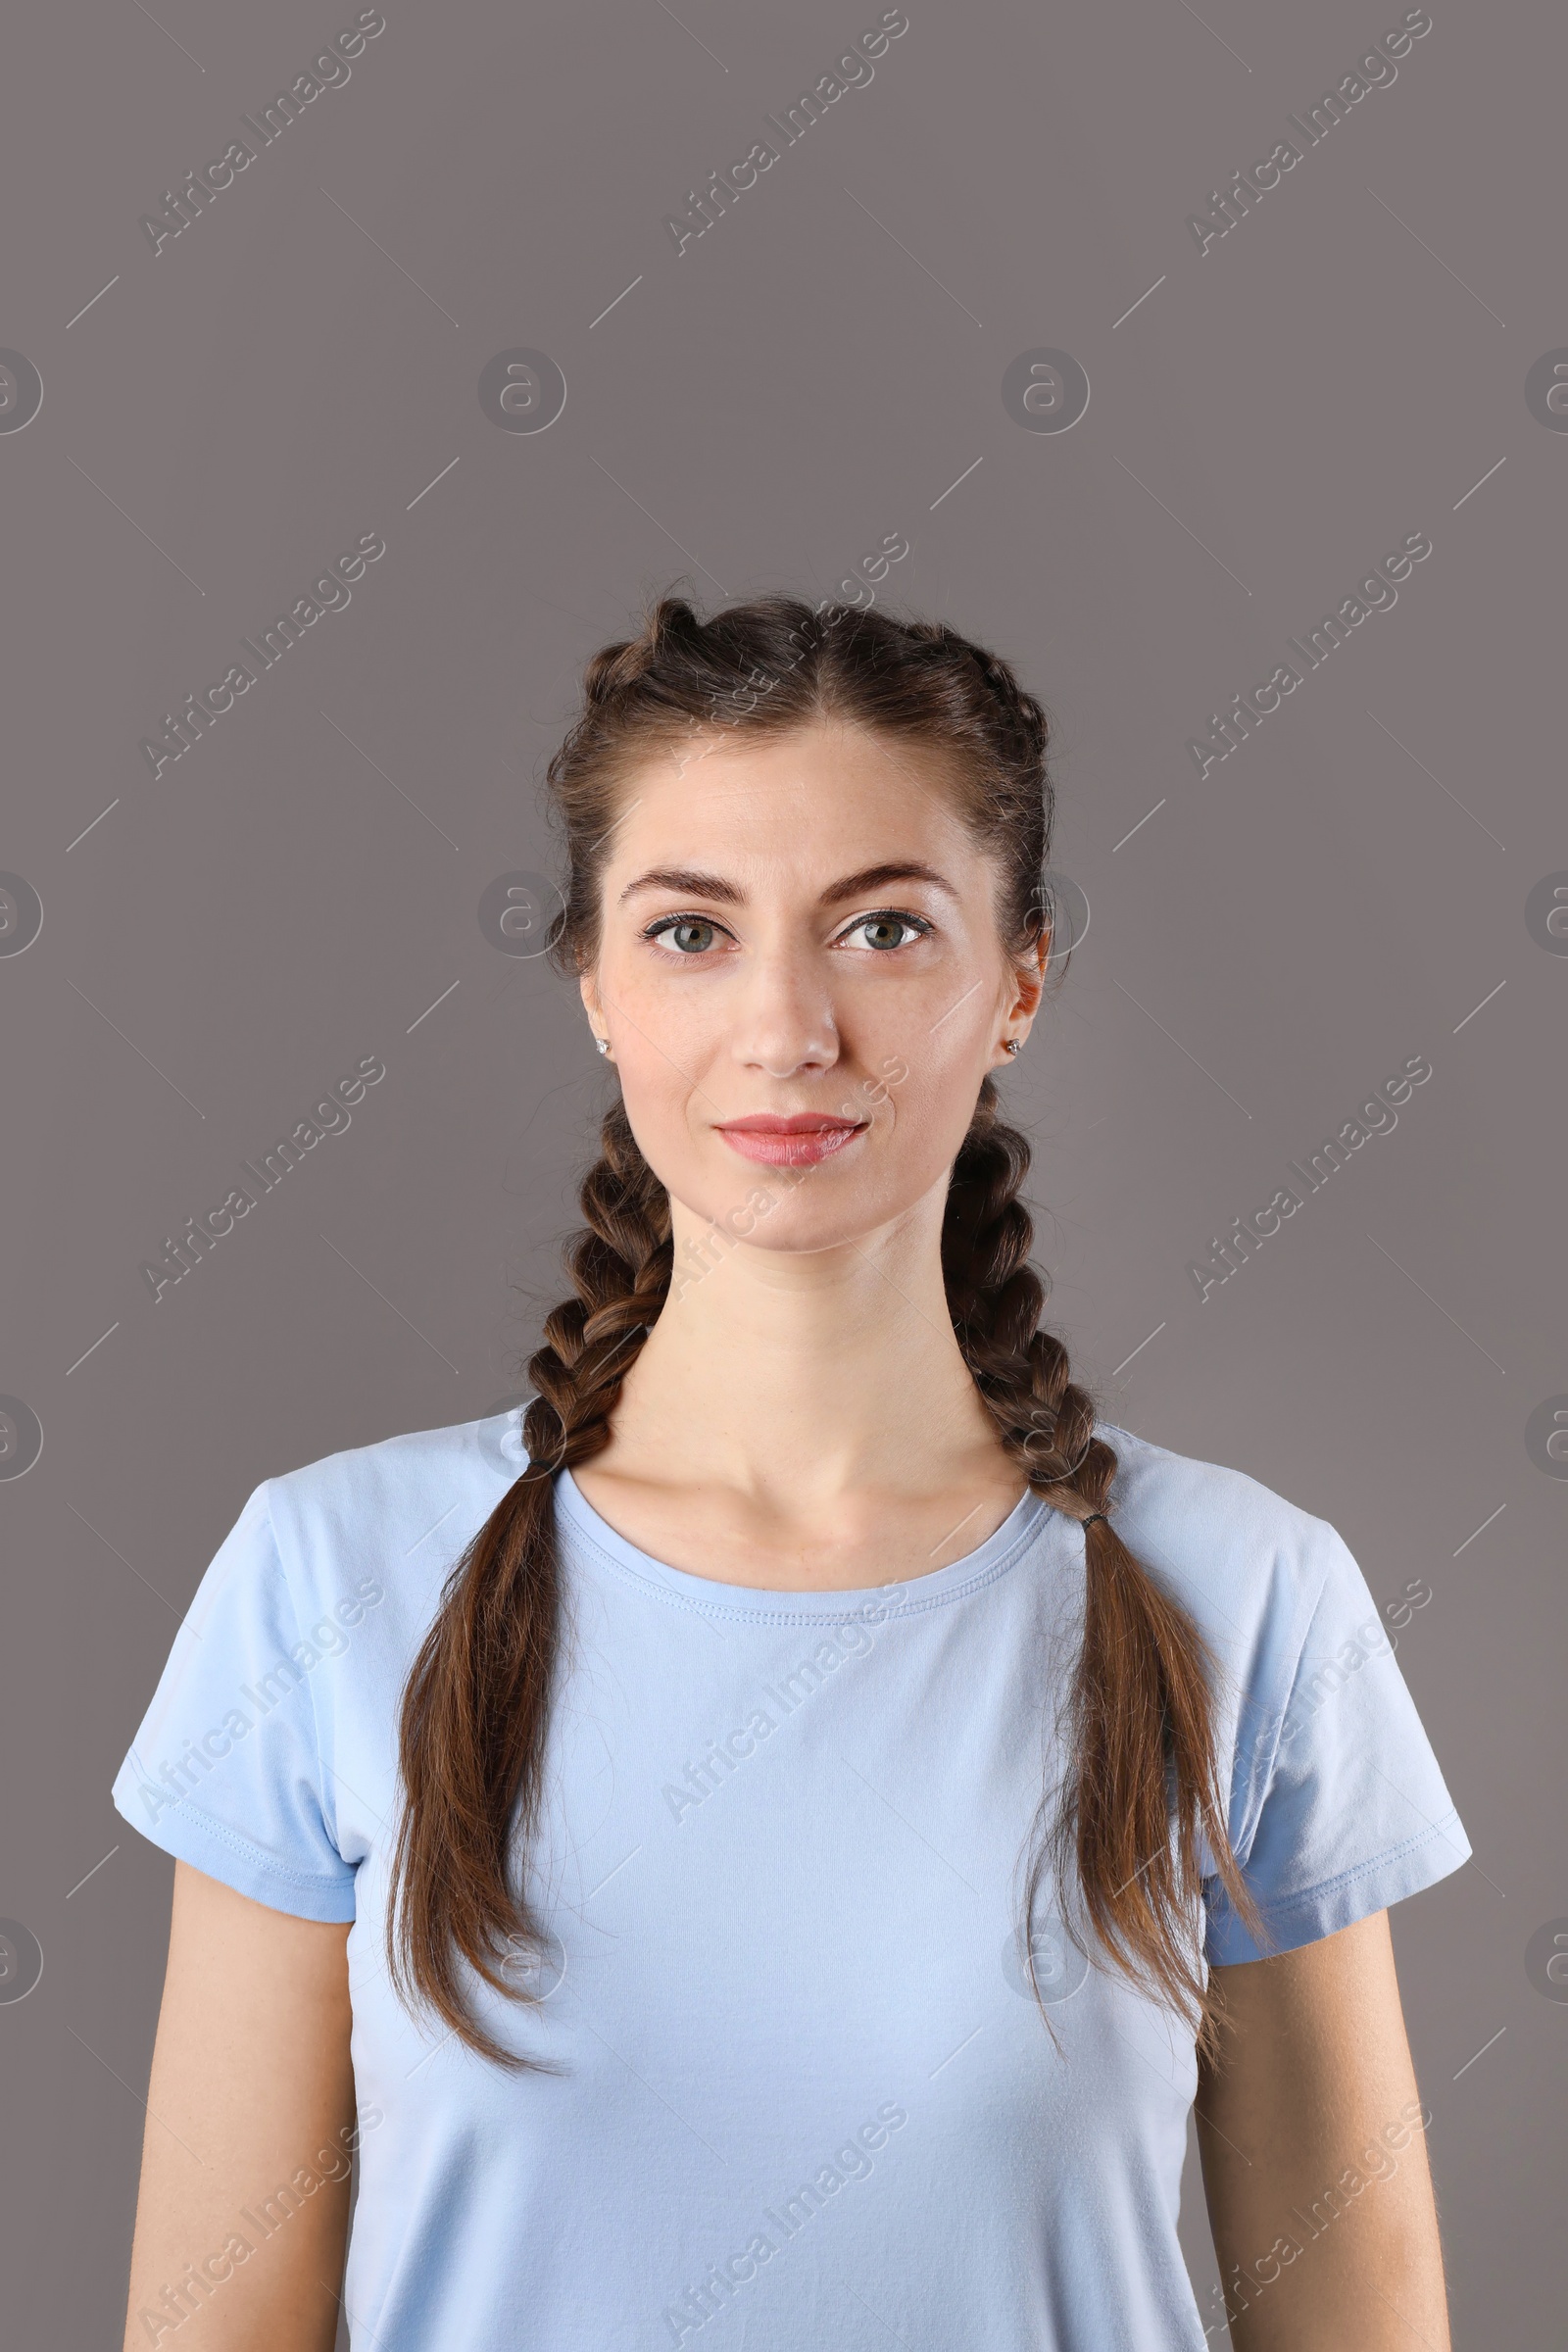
(602, 1043)
(1014, 1044)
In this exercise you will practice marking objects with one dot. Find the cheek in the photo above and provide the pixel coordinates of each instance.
(934, 1101)
(668, 1042)
(662, 1086)
(666, 1013)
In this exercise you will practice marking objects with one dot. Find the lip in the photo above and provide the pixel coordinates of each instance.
(800, 1140)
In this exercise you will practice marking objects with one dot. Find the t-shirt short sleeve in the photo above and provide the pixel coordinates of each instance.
(1340, 1807)
(226, 1771)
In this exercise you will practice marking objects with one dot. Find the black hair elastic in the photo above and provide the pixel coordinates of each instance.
(1093, 1516)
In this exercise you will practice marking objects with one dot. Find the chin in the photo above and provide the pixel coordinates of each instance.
(801, 1211)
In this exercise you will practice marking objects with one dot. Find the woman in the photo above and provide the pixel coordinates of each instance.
(768, 1850)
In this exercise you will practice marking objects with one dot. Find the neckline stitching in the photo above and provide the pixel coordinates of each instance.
(741, 1613)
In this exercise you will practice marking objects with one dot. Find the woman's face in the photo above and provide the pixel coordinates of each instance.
(801, 979)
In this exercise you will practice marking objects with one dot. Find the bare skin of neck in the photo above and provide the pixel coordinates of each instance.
(806, 1421)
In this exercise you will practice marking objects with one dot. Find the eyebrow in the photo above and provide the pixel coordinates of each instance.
(687, 882)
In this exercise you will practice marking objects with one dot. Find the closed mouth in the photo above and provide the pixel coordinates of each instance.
(800, 1139)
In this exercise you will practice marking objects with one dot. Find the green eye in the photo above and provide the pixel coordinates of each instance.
(689, 935)
(885, 931)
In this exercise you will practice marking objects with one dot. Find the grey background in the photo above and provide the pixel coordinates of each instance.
(810, 375)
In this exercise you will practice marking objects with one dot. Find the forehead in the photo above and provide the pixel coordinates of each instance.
(802, 808)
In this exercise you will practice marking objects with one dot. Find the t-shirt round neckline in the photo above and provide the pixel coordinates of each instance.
(902, 1596)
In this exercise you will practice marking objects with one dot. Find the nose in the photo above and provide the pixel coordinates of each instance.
(784, 1023)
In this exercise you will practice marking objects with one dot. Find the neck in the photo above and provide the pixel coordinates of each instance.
(814, 1373)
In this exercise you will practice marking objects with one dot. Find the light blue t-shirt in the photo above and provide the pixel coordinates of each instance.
(804, 2094)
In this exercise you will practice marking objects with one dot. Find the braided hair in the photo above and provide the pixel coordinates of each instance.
(1125, 1838)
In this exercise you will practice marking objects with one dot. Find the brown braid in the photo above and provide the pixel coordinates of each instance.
(1141, 1796)
(476, 1706)
(1112, 1842)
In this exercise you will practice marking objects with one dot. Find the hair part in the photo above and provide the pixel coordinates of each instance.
(1141, 1810)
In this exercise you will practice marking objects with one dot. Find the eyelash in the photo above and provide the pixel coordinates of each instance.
(916, 923)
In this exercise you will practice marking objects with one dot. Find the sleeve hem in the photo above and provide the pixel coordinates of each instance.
(1295, 1920)
(208, 1846)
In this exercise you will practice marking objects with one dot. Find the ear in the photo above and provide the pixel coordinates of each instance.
(1029, 986)
(1030, 973)
(588, 989)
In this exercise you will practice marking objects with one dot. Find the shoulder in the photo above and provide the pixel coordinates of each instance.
(277, 1709)
(1250, 1565)
(1338, 1807)
(401, 1508)
(391, 1473)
